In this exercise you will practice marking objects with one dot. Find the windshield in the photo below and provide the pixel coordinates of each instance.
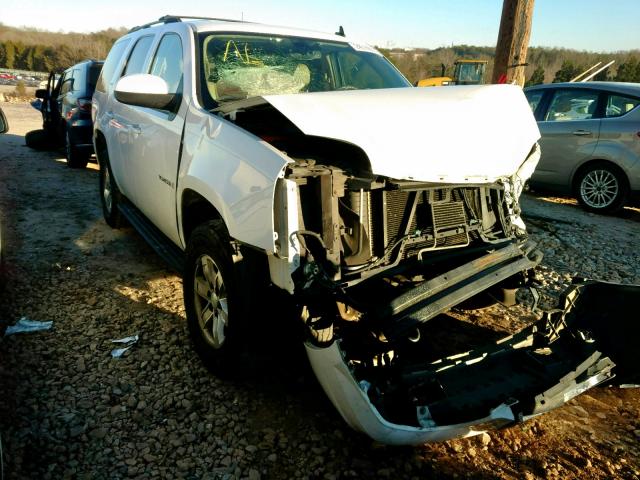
(239, 66)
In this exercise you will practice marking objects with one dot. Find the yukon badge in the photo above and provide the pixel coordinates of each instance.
(165, 180)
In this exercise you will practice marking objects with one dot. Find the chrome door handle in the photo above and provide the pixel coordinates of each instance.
(582, 133)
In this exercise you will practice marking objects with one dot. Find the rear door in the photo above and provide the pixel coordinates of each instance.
(50, 114)
(619, 140)
(155, 150)
(64, 89)
(123, 122)
(71, 84)
(103, 103)
(570, 127)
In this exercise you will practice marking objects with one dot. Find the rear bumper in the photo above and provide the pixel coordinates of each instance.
(81, 135)
(589, 340)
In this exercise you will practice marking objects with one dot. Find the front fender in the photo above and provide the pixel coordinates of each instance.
(235, 171)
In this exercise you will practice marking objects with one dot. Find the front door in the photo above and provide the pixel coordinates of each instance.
(156, 148)
(570, 130)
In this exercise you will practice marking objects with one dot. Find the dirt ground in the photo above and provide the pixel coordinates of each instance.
(70, 410)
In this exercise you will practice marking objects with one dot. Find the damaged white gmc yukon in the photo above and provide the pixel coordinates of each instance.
(253, 156)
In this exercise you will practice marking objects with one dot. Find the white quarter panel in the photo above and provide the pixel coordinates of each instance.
(235, 171)
(461, 134)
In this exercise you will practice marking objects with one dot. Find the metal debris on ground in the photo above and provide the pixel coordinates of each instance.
(25, 325)
(128, 341)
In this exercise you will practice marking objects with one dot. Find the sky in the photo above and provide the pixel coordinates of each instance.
(594, 25)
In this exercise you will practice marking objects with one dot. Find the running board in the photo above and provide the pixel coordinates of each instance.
(170, 253)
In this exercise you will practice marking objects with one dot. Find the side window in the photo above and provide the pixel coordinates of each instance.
(135, 62)
(618, 105)
(167, 63)
(76, 84)
(110, 65)
(534, 99)
(65, 83)
(572, 104)
(93, 72)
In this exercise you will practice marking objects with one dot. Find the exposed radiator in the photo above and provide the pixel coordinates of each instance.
(444, 219)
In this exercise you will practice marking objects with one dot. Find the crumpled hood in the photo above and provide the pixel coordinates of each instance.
(460, 134)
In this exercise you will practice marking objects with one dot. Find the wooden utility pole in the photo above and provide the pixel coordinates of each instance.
(513, 41)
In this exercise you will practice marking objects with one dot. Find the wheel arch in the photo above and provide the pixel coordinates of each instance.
(99, 145)
(591, 163)
(195, 209)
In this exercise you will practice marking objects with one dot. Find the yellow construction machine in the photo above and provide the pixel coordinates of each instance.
(465, 72)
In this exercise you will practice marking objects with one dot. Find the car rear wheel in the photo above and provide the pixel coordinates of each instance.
(109, 194)
(75, 158)
(602, 188)
(210, 296)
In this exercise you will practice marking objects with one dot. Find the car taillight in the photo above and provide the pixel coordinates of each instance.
(84, 104)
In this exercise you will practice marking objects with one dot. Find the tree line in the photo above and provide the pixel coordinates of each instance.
(44, 51)
(545, 64)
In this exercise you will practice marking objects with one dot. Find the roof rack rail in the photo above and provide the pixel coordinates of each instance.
(178, 18)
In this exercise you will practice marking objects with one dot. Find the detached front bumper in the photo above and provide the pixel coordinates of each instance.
(590, 339)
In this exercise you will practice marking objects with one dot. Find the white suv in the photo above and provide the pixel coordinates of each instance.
(254, 157)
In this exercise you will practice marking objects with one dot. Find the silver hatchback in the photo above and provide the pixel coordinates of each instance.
(590, 141)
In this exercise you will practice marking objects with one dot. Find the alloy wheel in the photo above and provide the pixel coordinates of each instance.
(599, 188)
(211, 301)
(106, 190)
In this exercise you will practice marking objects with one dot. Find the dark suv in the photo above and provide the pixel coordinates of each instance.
(66, 110)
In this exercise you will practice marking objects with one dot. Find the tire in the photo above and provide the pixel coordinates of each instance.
(75, 158)
(211, 298)
(38, 140)
(109, 194)
(601, 188)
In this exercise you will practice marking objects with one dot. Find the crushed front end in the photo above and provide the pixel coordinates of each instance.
(375, 261)
(388, 227)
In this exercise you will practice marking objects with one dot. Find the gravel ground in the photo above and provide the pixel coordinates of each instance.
(69, 410)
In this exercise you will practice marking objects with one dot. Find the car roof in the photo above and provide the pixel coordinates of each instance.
(225, 25)
(85, 62)
(625, 88)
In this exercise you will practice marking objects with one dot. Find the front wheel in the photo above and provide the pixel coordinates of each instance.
(601, 188)
(75, 158)
(211, 300)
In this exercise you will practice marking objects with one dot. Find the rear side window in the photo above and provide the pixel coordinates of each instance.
(76, 85)
(92, 77)
(67, 80)
(135, 63)
(572, 105)
(617, 105)
(110, 65)
(167, 62)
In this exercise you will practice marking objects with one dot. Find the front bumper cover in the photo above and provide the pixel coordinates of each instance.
(587, 341)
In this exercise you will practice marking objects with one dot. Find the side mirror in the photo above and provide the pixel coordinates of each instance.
(4, 125)
(144, 90)
(41, 93)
